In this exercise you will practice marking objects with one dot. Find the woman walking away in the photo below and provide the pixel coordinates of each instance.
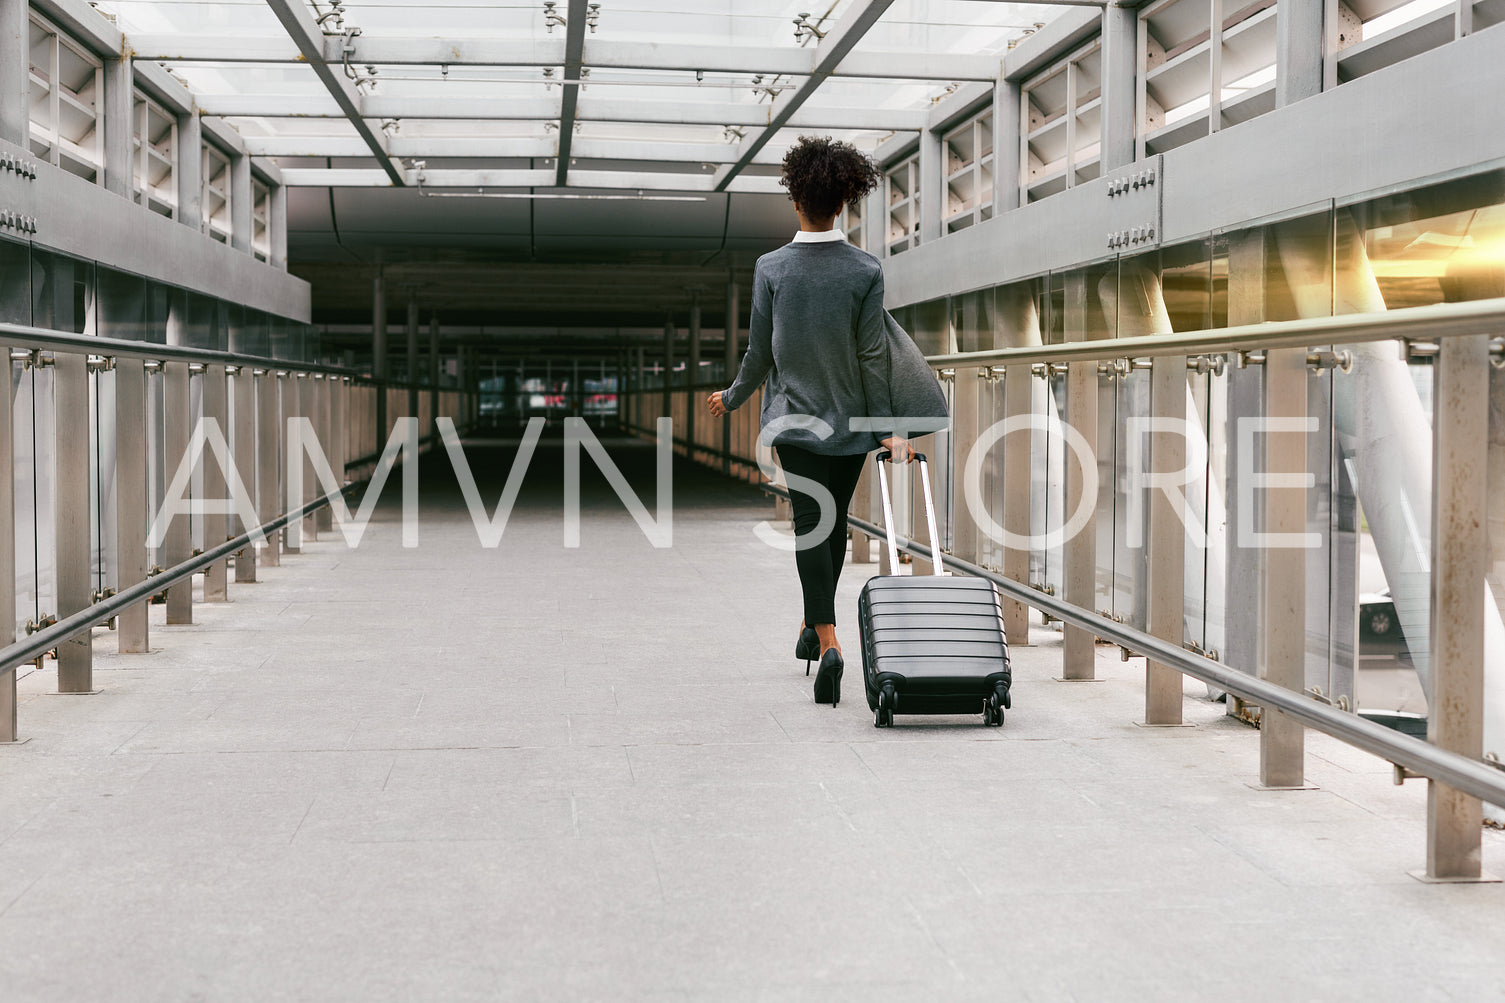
(817, 335)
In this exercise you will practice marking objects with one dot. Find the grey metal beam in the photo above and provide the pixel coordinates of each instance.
(1120, 58)
(1342, 139)
(84, 220)
(434, 147)
(84, 25)
(854, 24)
(594, 109)
(118, 108)
(240, 202)
(15, 82)
(1298, 50)
(310, 41)
(667, 181)
(188, 172)
(574, 46)
(598, 54)
(277, 227)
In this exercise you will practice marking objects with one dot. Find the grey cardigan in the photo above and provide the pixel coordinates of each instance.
(818, 336)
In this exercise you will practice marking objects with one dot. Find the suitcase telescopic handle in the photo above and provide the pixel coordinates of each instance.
(888, 513)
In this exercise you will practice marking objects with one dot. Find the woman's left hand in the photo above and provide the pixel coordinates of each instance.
(713, 402)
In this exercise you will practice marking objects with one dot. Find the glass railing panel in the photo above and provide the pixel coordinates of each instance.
(15, 282)
(62, 291)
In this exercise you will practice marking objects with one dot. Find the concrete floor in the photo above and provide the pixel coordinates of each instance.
(451, 773)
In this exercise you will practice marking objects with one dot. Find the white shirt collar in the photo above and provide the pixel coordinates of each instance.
(818, 237)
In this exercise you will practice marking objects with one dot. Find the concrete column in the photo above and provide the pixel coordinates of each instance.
(268, 461)
(1298, 50)
(932, 185)
(292, 407)
(189, 171)
(308, 407)
(216, 525)
(1166, 552)
(244, 451)
(379, 349)
(1080, 550)
(15, 79)
(692, 374)
(1018, 399)
(1120, 57)
(1460, 559)
(131, 516)
(1281, 739)
(434, 367)
(731, 357)
(177, 544)
(339, 404)
(277, 227)
(1006, 140)
(7, 487)
(119, 131)
(412, 371)
(668, 392)
(240, 202)
(75, 657)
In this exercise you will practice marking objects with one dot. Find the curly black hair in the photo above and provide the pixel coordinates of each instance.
(823, 175)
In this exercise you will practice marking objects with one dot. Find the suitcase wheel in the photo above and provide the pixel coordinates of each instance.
(993, 706)
(884, 716)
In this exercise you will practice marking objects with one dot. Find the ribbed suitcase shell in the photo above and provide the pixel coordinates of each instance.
(938, 641)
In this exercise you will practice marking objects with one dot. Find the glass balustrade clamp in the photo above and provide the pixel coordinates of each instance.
(100, 363)
(1412, 350)
(152, 365)
(195, 368)
(1340, 360)
(1497, 353)
(1204, 364)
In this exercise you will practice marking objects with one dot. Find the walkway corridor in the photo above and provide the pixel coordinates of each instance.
(449, 773)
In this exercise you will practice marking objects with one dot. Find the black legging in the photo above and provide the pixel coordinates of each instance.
(820, 565)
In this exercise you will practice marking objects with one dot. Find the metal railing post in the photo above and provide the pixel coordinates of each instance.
(245, 461)
(966, 387)
(308, 407)
(1018, 397)
(292, 394)
(1166, 552)
(339, 402)
(323, 518)
(1460, 556)
(177, 542)
(216, 525)
(131, 516)
(75, 656)
(1281, 739)
(7, 540)
(268, 460)
(1079, 646)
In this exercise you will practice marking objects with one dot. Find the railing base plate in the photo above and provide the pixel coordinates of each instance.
(1483, 879)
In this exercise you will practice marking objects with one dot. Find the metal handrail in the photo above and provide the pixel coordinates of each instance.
(24, 336)
(1471, 776)
(1421, 322)
(43, 641)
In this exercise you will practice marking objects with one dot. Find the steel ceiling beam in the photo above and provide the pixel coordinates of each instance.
(591, 109)
(832, 50)
(574, 51)
(498, 147)
(309, 39)
(598, 54)
(660, 181)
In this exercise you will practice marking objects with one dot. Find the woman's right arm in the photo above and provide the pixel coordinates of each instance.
(759, 358)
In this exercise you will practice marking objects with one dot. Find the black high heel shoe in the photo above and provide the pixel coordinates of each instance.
(807, 647)
(828, 678)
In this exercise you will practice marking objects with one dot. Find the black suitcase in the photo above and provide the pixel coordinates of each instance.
(931, 644)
